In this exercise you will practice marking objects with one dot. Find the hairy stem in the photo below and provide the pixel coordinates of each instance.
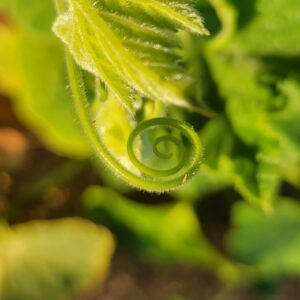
(155, 184)
(145, 177)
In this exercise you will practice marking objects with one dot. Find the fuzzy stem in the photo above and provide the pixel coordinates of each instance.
(145, 183)
(146, 178)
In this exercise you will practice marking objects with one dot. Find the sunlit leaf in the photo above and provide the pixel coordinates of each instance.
(59, 259)
(114, 125)
(141, 54)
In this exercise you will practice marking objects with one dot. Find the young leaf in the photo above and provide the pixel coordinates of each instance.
(114, 128)
(131, 46)
(98, 47)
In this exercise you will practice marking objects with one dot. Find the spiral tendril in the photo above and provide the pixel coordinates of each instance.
(151, 179)
(160, 122)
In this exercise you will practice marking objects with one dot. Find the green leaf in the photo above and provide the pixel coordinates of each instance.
(32, 72)
(259, 102)
(286, 120)
(141, 54)
(258, 148)
(286, 124)
(170, 232)
(246, 98)
(270, 242)
(215, 173)
(39, 16)
(114, 125)
(46, 260)
(268, 27)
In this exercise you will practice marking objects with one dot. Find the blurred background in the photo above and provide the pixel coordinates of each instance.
(69, 229)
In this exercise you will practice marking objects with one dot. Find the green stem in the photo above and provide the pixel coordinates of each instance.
(228, 17)
(138, 181)
(145, 178)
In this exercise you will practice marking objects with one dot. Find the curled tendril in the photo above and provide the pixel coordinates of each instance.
(162, 122)
(151, 179)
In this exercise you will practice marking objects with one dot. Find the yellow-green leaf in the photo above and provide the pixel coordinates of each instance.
(46, 260)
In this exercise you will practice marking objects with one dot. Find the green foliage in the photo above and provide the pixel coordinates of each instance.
(135, 30)
(256, 91)
(34, 265)
(38, 17)
(140, 71)
(32, 71)
(139, 56)
(170, 233)
(255, 160)
(268, 27)
(147, 66)
(270, 242)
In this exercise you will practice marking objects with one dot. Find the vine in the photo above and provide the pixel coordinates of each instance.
(145, 177)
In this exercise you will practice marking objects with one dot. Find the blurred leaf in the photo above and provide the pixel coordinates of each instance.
(170, 232)
(246, 98)
(214, 175)
(59, 259)
(286, 124)
(38, 16)
(286, 120)
(32, 72)
(256, 155)
(255, 93)
(268, 27)
(206, 181)
(255, 172)
(270, 242)
(9, 69)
